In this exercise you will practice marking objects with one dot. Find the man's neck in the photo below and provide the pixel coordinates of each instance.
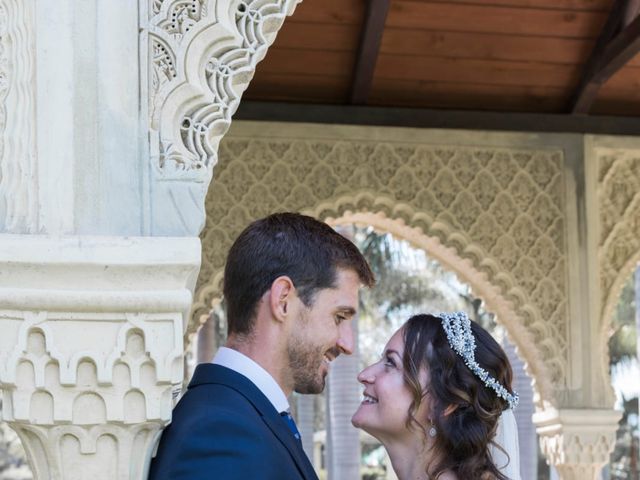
(270, 360)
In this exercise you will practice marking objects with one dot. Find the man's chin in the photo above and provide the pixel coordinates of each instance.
(311, 389)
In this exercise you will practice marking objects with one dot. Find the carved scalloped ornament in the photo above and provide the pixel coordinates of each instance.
(577, 442)
(108, 395)
(500, 210)
(202, 55)
(577, 455)
(619, 210)
(619, 219)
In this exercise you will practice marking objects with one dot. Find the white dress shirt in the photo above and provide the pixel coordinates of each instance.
(240, 363)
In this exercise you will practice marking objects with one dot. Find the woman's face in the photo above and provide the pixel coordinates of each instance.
(384, 410)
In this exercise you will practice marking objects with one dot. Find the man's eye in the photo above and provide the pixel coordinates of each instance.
(340, 318)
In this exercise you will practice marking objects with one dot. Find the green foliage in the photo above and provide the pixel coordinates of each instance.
(623, 341)
(408, 282)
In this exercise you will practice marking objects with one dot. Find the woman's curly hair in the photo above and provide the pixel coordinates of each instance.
(464, 434)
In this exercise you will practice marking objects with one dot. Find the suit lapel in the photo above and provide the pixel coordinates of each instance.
(210, 373)
(282, 432)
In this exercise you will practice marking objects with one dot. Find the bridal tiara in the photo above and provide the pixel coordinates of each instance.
(457, 326)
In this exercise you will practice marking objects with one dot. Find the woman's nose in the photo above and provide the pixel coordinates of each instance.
(367, 375)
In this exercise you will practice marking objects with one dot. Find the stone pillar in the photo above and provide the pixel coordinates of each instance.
(577, 442)
(305, 412)
(343, 398)
(526, 430)
(91, 348)
(111, 112)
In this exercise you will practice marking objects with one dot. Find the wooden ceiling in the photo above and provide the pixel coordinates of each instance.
(536, 56)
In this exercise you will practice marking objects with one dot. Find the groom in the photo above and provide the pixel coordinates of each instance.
(291, 290)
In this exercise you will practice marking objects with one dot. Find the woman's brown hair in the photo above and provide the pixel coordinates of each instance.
(466, 430)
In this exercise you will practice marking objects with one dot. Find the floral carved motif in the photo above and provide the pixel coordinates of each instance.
(4, 72)
(482, 202)
(202, 56)
(180, 16)
(618, 194)
(18, 194)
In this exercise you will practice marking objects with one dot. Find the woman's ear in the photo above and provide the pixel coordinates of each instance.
(280, 295)
(450, 409)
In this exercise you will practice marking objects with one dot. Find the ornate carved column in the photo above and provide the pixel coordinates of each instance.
(91, 348)
(577, 442)
(111, 112)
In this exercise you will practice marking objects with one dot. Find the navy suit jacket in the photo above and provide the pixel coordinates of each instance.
(225, 428)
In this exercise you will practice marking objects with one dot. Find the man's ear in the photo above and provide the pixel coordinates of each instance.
(281, 294)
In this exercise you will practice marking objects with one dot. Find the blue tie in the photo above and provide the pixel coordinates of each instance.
(291, 424)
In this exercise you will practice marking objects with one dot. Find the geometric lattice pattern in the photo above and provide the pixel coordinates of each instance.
(619, 210)
(500, 208)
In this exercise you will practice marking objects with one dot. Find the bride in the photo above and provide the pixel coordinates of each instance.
(437, 399)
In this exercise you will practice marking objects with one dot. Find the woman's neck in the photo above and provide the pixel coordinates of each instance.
(409, 461)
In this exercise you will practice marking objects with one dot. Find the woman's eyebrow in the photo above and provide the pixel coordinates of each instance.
(389, 351)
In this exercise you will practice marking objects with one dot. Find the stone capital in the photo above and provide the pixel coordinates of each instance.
(91, 351)
(577, 442)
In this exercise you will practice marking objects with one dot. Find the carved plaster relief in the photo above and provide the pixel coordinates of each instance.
(618, 196)
(106, 394)
(91, 350)
(619, 212)
(202, 56)
(18, 194)
(577, 442)
(499, 209)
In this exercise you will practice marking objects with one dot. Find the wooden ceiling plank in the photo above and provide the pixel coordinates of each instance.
(370, 41)
(611, 52)
(631, 11)
(483, 18)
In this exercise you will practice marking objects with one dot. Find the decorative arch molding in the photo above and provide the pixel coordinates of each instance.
(493, 213)
(409, 226)
(618, 197)
(202, 54)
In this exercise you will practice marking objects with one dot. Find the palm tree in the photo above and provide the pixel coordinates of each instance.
(624, 354)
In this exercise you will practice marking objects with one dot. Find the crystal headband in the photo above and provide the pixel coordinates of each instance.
(457, 326)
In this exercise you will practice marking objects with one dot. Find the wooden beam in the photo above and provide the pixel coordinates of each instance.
(370, 40)
(427, 118)
(611, 52)
(631, 11)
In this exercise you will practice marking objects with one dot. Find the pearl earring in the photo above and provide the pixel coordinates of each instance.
(432, 431)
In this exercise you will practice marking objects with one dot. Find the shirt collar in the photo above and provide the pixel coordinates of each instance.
(240, 363)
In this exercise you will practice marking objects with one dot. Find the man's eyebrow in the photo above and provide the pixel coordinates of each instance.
(347, 310)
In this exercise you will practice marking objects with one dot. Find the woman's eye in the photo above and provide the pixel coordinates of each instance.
(389, 362)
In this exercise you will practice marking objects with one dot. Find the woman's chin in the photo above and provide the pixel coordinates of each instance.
(357, 420)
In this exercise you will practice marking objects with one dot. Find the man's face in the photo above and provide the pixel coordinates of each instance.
(323, 332)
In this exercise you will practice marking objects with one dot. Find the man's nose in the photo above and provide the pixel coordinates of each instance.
(347, 338)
